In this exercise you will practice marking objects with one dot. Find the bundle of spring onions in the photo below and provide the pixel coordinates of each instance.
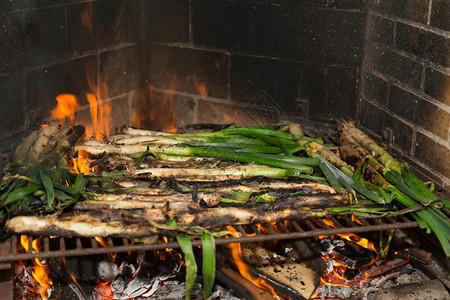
(39, 179)
(274, 152)
(393, 181)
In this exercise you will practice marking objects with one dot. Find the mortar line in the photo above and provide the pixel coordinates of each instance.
(191, 34)
(414, 24)
(429, 12)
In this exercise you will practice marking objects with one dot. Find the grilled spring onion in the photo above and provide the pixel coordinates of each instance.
(409, 190)
(54, 188)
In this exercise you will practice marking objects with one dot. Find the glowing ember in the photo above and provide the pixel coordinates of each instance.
(103, 291)
(338, 275)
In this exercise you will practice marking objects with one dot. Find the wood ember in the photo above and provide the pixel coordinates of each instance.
(302, 251)
(353, 255)
(391, 265)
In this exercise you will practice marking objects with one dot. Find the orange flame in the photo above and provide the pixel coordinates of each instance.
(81, 164)
(86, 19)
(244, 269)
(163, 104)
(358, 240)
(219, 63)
(101, 241)
(231, 118)
(104, 243)
(100, 109)
(201, 87)
(40, 270)
(67, 104)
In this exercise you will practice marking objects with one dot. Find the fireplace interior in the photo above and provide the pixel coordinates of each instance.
(167, 64)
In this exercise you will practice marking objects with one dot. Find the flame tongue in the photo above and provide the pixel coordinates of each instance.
(66, 107)
(244, 269)
(39, 270)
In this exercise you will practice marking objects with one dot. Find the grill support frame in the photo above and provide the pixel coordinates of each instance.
(298, 230)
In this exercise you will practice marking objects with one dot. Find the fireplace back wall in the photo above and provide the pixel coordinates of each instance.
(170, 63)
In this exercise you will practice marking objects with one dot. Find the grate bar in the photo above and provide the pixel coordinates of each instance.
(295, 232)
(297, 226)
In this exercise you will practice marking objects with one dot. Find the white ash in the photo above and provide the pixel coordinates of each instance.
(220, 293)
(330, 265)
(339, 292)
(174, 290)
(107, 270)
(408, 278)
(288, 250)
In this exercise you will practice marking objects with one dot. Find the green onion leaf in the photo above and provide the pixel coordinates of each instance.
(209, 263)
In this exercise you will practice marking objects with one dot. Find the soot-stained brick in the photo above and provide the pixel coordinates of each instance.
(374, 88)
(398, 66)
(419, 111)
(436, 85)
(33, 37)
(380, 30)
(322, 35)
(166, 21)
(433, 154)
(237, 25)
(413, 10)
(425, 44)
(99, 24)
(71, 77)
(440, 14)
(120, 70)
(279, 79)
(187, 70)
(11, 102)
(377, 120)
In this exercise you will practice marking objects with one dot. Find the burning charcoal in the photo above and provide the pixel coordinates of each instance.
(303, 251)
(326, 247)
(352, 255)
(350, 274)
(141, 281)
(391, 265)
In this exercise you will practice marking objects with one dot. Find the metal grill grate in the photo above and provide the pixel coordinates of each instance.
(78, 246)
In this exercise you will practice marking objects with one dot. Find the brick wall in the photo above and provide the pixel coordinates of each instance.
(49, 48)
(405, 83)
(259, 61)
(174, 62)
